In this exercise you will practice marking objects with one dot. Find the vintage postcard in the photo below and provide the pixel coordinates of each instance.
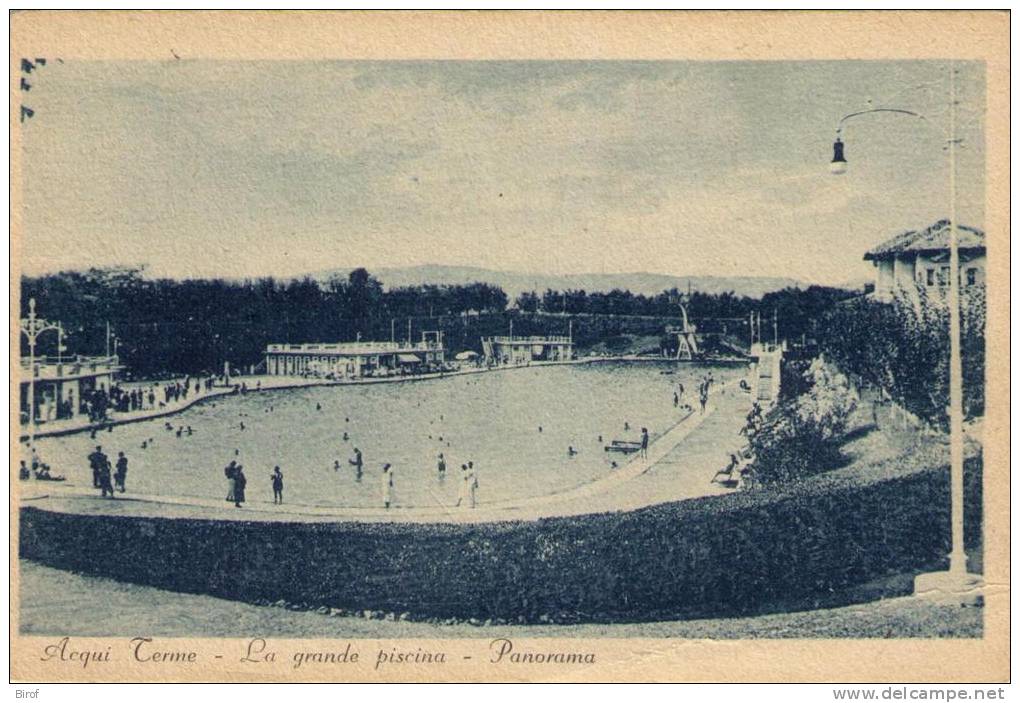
(540, 346)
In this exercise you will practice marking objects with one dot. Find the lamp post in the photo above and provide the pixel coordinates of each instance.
(957, 582)
(32, 328)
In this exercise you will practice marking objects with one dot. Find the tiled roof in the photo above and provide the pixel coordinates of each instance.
(933, 238)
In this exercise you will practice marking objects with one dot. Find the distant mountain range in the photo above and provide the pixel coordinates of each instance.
(515, 282)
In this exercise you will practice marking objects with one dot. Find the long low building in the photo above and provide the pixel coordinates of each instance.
(355, 359)
(522, 350)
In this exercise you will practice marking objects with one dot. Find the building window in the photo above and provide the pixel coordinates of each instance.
(971, 276)
(944, 276)
(931, 277)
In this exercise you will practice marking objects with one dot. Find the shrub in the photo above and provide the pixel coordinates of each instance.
(801, 436)
(806, 543)
(902, 346)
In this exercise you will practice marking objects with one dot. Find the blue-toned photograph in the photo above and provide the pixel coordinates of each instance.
(500, 349)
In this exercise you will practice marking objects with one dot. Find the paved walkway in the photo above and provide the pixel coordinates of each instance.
(680, 464)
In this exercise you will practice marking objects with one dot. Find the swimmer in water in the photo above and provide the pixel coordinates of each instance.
(626, 425)
(539, 428)
(242, 426)
(336, 465)
(571, 451)
(346, 436)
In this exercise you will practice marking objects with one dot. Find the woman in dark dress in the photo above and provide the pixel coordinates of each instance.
(239, 483)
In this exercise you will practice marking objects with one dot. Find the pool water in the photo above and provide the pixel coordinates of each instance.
(491, 418)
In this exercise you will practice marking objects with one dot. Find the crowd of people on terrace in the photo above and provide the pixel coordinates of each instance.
(97, 404)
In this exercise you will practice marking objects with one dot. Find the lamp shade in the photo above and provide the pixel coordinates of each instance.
(838, 163)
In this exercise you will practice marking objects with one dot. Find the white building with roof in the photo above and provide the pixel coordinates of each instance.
(355, 359)
(920, 258)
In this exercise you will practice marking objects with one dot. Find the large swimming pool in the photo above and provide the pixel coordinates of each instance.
(492, 419)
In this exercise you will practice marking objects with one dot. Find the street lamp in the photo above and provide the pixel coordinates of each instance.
(957, 582)
(32, 328)
(838, 164)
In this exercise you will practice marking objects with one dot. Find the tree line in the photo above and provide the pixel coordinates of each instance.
(161, 327)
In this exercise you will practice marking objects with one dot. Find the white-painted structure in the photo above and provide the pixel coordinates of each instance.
(59, 384)
(522, 350)
(766, 372)
(921, 258)
(354, 359)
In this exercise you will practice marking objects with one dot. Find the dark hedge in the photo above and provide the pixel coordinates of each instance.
(717, 556)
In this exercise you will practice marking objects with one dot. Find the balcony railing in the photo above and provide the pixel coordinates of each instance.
(556, 339)
(353, 348)
(52, 368)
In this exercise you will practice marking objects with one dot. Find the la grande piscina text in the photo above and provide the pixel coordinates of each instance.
(259, 652)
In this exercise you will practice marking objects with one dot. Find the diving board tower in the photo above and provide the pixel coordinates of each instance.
(686, 335)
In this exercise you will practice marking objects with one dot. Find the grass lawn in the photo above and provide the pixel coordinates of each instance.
(129, 609)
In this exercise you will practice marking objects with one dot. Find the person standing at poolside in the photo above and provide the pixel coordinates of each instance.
(230, 472)
(239, 484)
(121, 475)
(277, 486)
(104, 478)
(96, 461)
(357, 462)
(387, 486)
(441, 466)
(644, 442)
(468, 487)
(472, 485)
(462, 494)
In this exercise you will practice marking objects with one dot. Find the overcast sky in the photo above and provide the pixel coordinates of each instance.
(201, 168)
